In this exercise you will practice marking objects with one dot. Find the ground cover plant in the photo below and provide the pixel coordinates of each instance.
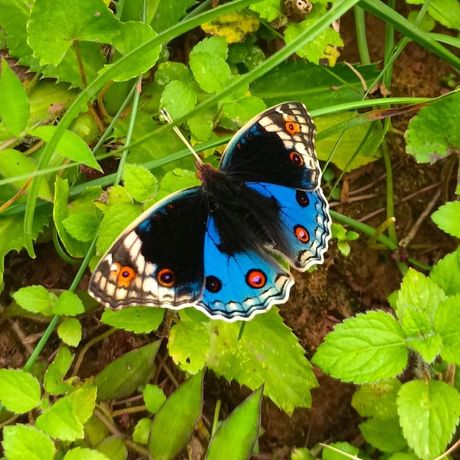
(362, 361)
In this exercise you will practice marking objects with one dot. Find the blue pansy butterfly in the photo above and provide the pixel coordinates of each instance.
(213, 246)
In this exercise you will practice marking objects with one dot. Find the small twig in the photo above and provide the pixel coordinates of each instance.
(368, 186)
(171, 375)
(16, 197)
(9, 421)
(22, 337)
(127, 400)
(129, 410)
(410, 236)
(454, 446)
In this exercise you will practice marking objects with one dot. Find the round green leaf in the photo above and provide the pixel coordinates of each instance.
(19, 390)
(25, 442)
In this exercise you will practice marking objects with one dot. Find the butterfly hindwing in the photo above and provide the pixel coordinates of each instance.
(242, 284)
(305, 222)
(277, 147)
(158, 260)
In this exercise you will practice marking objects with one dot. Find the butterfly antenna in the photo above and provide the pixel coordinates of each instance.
(168, 118)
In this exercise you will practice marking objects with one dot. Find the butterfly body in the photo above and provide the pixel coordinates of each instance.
(213, 246)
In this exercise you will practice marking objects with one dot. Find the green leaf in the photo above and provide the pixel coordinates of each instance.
(235, 114)
(36, 299)
(140, 320)
(13, 226)
(54, 28)
(177, 179)
(385, 435)
(69, 331)
(53, 381)
(81, 227)
(142, 431)
(70, 145)
(428, 414)
(95, 431)
(329, 454)
(124, 375)
(213, 45)
(139, 182)
(268, 353)
(113, 448)
(403, 456)
(25, 442)
(267, 9)
(448, 326)
(377, 400)
(301, 453)
(19, 390)
(83, 453)
(446, 273)
(237, 434)
(189, 342)
(170, 70)
(201, 124)
(68, 304)
(14, 103)
(432, 134)
(169, 13)
(447, 217)
(446, 12)
(132, 35)
(153, 397)
(175, 421)
(363, 349)
(14, 163)
(178, 98)
(416, 306)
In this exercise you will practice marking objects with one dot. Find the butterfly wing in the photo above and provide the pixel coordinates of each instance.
(158, 259)
(240, 285)
(277, 147)
(305, 222)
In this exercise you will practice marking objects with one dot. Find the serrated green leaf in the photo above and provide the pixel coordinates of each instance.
(140, 320)
(54, 28)
(25, 442)
(201, 125)
(385, 435)
(301, 453)
(446, 12)
(447, 217)
(330, 454)
(69, 331)
(82, 227)
(70, 145)
(68, 304)
(139, 182)
(178, 98)
(267, 9)
(170, 70)
(416, 306)
(446, 273)
(142, 431)
(95, 431)
(363, 349)
(237, 434)
(83, 453)
(169, 13)
(14, 103)
(53, 381)
(177, 179)
(189, 342)
(153, 397)
(236, 114)
(211, 71)
(432, 134)
(403, 456)
(428, 414)
(268, 353)
(213, 45)
(448, 327)
(14, 163)
(168, 434)
(13, 226)
(36, 299)
(377, 400)
(124, 375)
(19, 390)
(113, 448)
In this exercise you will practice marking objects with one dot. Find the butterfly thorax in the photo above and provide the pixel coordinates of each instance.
(245, 219)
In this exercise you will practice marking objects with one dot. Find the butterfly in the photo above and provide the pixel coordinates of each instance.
(216, 246)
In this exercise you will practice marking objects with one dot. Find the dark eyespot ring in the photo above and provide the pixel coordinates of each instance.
(166, 277)
(296, 159)
(302, 198)
(301, 234)
(213, 284)
(256, 279)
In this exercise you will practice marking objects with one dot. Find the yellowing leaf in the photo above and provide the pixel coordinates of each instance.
(234, 27)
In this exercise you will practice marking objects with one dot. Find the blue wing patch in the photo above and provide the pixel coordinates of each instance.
(305, 221)
(241, 285)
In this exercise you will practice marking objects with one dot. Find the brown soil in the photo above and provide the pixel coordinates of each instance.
(340, 288)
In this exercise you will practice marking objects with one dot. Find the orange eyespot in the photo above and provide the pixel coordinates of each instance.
(292, 127)
(166, 277)
(296, 159)
(125, 276)
(301, 234)
(256, 279)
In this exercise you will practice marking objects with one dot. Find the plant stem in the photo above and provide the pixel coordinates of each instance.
(360, 24)
(215, 420)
